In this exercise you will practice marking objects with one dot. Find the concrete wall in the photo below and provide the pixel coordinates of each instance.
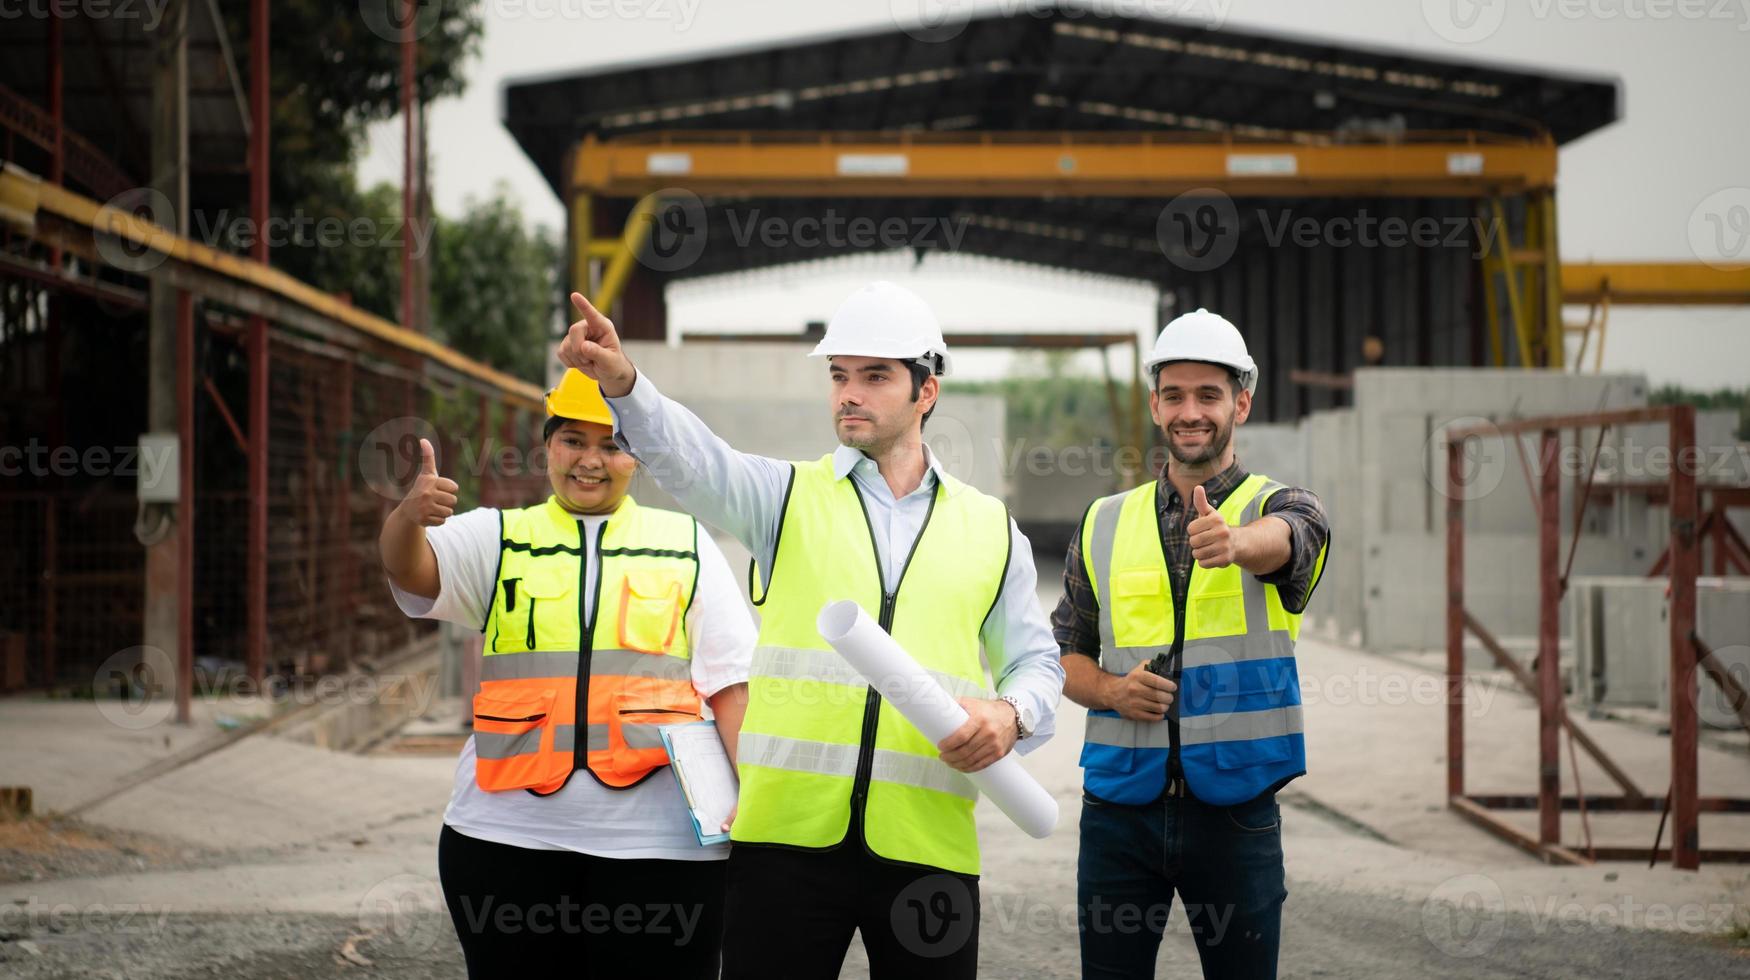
(771, 400)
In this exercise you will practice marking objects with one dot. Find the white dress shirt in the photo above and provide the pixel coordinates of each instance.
(648, 820)
(743, 494)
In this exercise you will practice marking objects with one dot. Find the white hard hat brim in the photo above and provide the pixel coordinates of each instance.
(897, 352)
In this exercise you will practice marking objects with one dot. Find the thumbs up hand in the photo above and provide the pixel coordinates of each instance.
(432, 498)
(1212, 538)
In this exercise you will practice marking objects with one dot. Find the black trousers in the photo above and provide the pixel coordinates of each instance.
(515, 909)
(792, 912)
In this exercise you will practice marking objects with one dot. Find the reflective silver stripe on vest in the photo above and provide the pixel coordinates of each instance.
(1260, 642)
(1241, 726)
(821, 758)
(525, 666)
(826, 666)
(1127, 734)
(636, 736)
(563, 663)
(495, 745)
(1268, 645)
(1100, 560)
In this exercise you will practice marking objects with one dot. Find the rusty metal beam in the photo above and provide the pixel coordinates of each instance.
(267, 284)
(1685, 566)
(1089, 164)
(1479, 815)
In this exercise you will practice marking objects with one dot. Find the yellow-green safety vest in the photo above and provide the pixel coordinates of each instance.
(1240, 726)
(819, 744)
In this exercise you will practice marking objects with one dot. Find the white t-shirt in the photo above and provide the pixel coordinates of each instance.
(648, 820)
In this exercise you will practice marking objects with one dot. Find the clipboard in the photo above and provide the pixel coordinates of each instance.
(708, 782)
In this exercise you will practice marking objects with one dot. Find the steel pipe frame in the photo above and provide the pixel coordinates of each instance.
(1685, 804)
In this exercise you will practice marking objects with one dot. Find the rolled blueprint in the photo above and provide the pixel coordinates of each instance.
(924, 703)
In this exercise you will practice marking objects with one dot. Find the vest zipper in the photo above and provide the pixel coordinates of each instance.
(586, 637)
(872, 702)
(531, 622)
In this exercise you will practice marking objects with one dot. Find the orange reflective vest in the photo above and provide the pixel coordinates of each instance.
(625, 671)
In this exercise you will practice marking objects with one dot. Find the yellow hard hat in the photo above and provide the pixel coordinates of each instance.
(578, 397)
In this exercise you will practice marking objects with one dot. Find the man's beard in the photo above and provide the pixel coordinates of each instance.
(1212, 449)
(866, 437)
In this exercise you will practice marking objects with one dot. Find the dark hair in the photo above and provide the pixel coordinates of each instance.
(552, 426)
(919, 374)
(1233, 377)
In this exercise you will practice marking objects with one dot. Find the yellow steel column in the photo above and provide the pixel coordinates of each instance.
(1510, 273)
(1491, 296)
(581, 215)
(1545, 202)
(624, 252)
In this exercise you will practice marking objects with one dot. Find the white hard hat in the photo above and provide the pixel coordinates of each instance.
(886, 320)
(1204, 336)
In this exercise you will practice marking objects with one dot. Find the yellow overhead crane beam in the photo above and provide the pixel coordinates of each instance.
(1074, 164)
(1098, 164)
(1655, 284)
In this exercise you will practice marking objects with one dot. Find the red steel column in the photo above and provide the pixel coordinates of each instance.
(255, 577)
(1549, 632)
(1685, 565)
(408, 50)
(184, 504)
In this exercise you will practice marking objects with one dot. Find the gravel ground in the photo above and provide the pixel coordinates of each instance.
(1328, 933)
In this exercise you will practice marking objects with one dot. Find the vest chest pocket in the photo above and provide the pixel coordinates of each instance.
(1140, 600)
(650, 611)
(1218, 612)
(536, 610)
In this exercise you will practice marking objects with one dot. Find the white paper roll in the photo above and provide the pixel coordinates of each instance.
(909, 688)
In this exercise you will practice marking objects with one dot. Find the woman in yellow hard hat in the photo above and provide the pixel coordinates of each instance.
(566, 839)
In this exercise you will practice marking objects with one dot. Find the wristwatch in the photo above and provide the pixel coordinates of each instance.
(1023, 726)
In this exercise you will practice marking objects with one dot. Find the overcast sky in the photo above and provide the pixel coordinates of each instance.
(1671, 181)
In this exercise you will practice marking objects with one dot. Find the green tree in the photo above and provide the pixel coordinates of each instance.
(494, 285)
(332, 76)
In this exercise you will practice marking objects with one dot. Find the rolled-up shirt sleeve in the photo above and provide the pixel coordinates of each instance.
(1309, 530)
(1017, 639)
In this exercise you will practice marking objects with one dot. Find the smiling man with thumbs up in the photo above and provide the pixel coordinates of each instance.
(1182, 602)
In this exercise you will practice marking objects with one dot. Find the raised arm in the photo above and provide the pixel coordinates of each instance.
(407, 556)
(739, 492)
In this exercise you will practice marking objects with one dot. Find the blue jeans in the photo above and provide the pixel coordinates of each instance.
(1224, 861)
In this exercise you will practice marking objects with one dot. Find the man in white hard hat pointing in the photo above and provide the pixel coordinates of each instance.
(1182, 602)
(849, 819)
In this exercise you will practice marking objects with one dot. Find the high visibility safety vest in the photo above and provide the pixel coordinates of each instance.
(1239, 692)
(818, 743)
(624, 673)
